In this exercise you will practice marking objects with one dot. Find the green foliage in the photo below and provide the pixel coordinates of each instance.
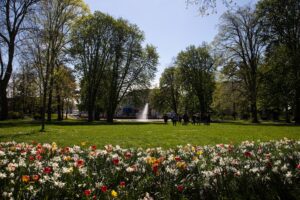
(15, 115)
(111, 61)
(281, 20)
(170, 88)
(197, 72)
(277, 81)
(241, 45)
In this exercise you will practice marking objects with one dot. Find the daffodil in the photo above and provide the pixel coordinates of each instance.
(199, 152)
(114, 194)
(54, 146)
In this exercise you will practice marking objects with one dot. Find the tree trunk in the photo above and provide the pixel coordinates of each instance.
(97, 114)
(62, 110)
(3, 102)
(110, 112)
(91, 109)
(253, 97)
(287, 115)
(59, 113)
(254, 112)
(110, 117)
(43, 110)
(5, 80)
(112, 105)
(90, 113)
(49, 110)
(67, 111)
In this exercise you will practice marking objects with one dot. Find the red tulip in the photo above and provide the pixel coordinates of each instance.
(35, 177)
(93, 147)
(87, 192)
(155, 167)
(180, 188)
(80, 163)
(38, 157)
(47, 170)
(115, 161)
(122, 183)
(31, 158)
(103, 188)
(247, 154)
(177, 158)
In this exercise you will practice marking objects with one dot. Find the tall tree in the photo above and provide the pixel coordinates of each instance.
(13, 13)
(56, 18)
(240, 40)
(277, 91)
(49, 40)
(92, 46)
(156, 100)
(169, 85)
(281, 20)
(64, 78)
(197, 68)
(133, 66)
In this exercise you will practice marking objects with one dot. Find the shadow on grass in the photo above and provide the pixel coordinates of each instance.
(72, 122)
(16, 135)
(263, 123)
(26, 123)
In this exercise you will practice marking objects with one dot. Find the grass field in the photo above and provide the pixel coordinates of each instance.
(133, 134)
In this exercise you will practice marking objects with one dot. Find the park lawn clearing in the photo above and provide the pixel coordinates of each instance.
(133, 134)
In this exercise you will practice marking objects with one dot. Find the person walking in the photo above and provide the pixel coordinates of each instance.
(165, 118)
(174, 119)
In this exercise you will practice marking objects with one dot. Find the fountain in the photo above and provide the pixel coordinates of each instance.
(144, 115)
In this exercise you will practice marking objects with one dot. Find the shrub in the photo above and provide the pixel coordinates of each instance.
(37, 117)
(15, 115)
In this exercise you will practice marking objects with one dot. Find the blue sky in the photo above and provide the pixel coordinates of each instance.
(169, 25)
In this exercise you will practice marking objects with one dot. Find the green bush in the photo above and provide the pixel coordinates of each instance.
(37, 117)
(15, 115)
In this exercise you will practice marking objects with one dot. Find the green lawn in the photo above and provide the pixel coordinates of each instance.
(132, 134)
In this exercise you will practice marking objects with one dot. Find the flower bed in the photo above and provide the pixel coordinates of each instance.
(269, 170)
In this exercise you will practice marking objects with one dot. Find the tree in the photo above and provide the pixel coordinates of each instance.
(27, 89)
(277, 93)
(92, 40)
(132, 66)
(156, 100)
(281, 22)
(169, 85)
(239, 39)
(196, 66)
(64, 78)
(207, 5)
(55, 19)
(13, 13)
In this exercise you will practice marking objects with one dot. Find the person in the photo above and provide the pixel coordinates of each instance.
(174, 119)
(185, 119)
(208, 118)
(180, 119)
(165, 118)
(198, 120)
(194, 119)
